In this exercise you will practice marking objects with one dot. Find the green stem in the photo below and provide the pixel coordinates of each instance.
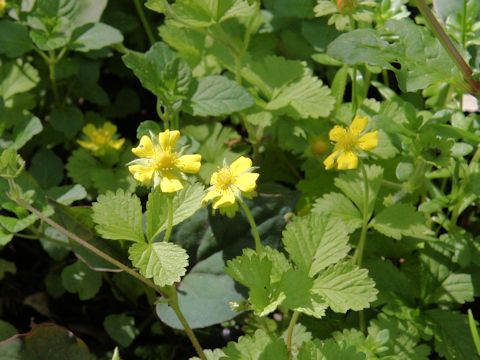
(361, 320)
(186, 327)
(447, 44)
(354, 90)
(253, 226)
(474, 331)
(168, 231)
(144, 21)
(53, 81)
(358, 256)
(291, 327)
(464, 24)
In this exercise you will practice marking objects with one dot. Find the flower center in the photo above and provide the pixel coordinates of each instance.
(224, 179)
(348, 142)
(163, 160)
(101, 137)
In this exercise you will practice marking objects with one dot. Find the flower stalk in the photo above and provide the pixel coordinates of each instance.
(253, 227)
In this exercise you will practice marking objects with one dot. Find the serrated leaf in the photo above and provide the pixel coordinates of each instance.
(297, 287)
(344, 286)
(185, 203)
(80, 167)
(400, 220)
(352, 184)
(119, 216)
(328, 350)
(315, 242)
(165, 262)
(254, 272)
(259, 346)
(78, 278)
(340, 207)
(216, 95)
(94, 36)
(306, 98)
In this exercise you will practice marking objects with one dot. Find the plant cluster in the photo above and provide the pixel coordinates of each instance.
(239, 179)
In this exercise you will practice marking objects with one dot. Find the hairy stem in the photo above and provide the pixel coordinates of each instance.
(253, 226)
(168, 231)
(188, 330)
(291, 326)
(51, 72)
(357, 257)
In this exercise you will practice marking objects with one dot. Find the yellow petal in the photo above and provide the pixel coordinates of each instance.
(214, 178)
(226, 199)
(142, 173)
(89, 130)
(247, 181)
(329, 162)
(145, 149)
(109, 128)
(88, 145)
(368, 141)
(358, 124)
(348, 160)
(189, 163)
(168, 139)
(117, 144)
(240, 165)
(170, 183)
(337, 133)
(212, 194)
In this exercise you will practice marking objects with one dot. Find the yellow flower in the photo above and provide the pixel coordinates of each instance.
(231, 183)
(3, 5)
(160, 163)
(101, 138)
(349, 143)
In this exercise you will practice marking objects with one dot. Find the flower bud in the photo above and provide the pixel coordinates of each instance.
(346, 7)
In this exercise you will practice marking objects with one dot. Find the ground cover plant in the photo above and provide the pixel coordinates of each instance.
(239, 179)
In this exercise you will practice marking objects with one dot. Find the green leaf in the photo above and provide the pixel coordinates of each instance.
(344, 286)
(306, 98)
(216, 95)
(121, 328)
(94, 37)
(165, 262)
(119, 216)
(14, 39)
(452, 335)
(87, 11)
(162, 72)
(17, 77)
(315, 242)
(297, 287)
(361, 46)
(80, 167)
(259, 346)
(6, 330)
(46, 339)
(25, 126)
(328, 350)
(186, 202)
(299, 9)
(78, 278)
(400, 220)
(46, 168)
(352, 184)
(254, 271)
(204, 296)
(339, 207)
(68, 120)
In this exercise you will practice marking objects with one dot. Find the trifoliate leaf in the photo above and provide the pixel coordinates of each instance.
(121, 328)
(259, 346)
(352, 184)
(119, 216)
(315, 242)
(254, 271)
(78, 278)
(216, 95)
(344, 286)
(340, 207)
(452, 335)
(280, 264)
(400, 220)
(185, 203)
(165, 262)
(14, 39)
(297, 287)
